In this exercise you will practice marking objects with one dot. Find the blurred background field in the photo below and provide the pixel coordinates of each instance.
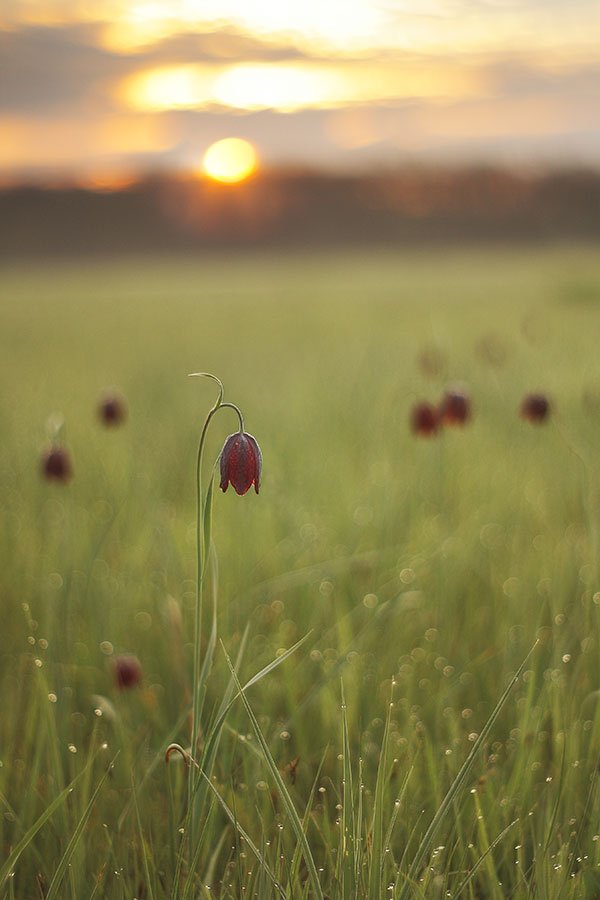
(420, 568)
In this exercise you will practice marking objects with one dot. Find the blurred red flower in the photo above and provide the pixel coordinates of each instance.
(425, 419)
(535, 408)
(241, 463)
(127, 671)
(56, 464)
(455, 408)
(112, 409)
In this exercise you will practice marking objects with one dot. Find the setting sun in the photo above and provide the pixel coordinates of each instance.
(230, 160)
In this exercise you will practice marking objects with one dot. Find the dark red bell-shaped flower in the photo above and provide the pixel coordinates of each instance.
(241, 463)
(535, 408)
(127, 671)
(424, 419)
(56, 463)
(112, 409)
(455, 408)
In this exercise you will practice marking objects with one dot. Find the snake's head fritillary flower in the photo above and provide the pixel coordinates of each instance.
(56, 463)
(425, 419)
(535, 408)
(455, 408)
(241, 463)
(127, 671)
(112, 409)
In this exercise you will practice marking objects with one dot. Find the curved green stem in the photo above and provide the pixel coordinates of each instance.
(214, 378)
(200, 572)
(203, 530)
(238, 411)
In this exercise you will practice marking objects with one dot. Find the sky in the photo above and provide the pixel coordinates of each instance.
(103, 90)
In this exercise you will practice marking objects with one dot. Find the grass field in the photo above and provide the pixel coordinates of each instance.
(419, 574)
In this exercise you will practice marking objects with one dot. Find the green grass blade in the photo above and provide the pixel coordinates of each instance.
(285, 796)
(397, 806)
(297, 856)
(214, 732)
(212, 638)
(244, 834)
(377, 849)
(207, 520)
(142, 842)
(349, 840)
(158, 758)
(70, 848)
(458, 783)
(212, 863)
(29, 835)
(360, 842)
(193, 863)
(482, 859)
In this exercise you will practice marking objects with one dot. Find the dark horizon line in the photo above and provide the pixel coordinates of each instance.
(122, 180)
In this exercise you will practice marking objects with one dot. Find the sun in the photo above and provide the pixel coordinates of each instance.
(230, 160)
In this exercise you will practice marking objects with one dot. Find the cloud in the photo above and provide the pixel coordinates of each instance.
(515, 76)
(45, 70)
(60, 107)
(48, 69)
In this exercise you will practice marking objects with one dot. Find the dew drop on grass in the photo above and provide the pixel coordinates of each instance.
(38, 663)
(52, 697)
(106, 647)
(72, 748)
(31, 640)
(566, 658)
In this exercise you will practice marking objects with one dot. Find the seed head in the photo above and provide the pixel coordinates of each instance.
(535, 408)
(56, 464)
(241, 463)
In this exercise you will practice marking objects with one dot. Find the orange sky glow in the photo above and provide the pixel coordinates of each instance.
(121, 87)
